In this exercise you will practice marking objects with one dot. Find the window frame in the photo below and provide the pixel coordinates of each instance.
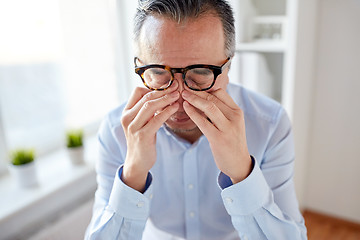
(3, 148)
(118, 25)
(120, 12)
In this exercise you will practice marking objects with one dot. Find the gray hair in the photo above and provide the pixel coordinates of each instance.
(181, 10)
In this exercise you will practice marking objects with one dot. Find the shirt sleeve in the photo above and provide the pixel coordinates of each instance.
(264, 205)
(119, 211)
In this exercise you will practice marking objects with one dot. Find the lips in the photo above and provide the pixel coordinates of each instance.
(180, 118)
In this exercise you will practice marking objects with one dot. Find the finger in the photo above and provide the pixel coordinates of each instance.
(149, 109)
(206, 127)
(135, 96)
(224, 97)
(208, 107)
(159, 119)
(152, 95)
(208, 96)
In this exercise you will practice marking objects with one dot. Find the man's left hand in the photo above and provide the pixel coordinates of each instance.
(221, 120)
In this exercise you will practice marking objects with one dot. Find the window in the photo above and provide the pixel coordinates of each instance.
(60, 67)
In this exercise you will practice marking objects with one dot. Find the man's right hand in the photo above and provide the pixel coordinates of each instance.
(143, 115)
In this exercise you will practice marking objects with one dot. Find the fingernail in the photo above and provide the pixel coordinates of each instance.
(185, 94)
(174, 94)
(174, 85)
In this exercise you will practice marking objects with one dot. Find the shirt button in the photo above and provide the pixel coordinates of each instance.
(192, 214)
(140, 204)
(150, 196)
(245, 237)
(191, 186)
(228, 200)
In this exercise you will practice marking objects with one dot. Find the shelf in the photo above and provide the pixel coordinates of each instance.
(281, 19)
(262, 46)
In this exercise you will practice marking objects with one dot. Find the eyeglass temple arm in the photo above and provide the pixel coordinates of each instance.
(227, 63)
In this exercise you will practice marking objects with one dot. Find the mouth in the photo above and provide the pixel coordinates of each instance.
(180, 119)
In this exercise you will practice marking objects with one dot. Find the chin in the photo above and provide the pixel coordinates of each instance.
(181, 126)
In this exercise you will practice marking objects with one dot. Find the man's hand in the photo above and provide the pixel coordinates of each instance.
(143, 115)
(225, 132)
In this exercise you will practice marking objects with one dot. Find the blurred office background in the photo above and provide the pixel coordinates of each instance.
(64, 64)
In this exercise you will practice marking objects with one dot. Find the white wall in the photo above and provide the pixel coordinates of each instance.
(333, 168)
(303, 89)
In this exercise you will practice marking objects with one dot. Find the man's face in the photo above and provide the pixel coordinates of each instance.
(199, 41)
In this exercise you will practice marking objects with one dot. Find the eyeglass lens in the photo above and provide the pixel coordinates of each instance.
(196, 78)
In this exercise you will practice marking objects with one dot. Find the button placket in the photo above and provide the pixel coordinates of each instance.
(190, 173)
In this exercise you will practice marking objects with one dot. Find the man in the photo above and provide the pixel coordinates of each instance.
(193, 157)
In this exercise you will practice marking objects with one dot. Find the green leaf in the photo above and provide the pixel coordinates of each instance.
(22, 156)
(74, 138)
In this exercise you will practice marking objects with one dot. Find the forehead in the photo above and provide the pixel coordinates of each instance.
(192, 41)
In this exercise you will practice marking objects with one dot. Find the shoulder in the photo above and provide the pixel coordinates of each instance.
(111, 124)
(113, 117)
(255, 105)
(110, 132)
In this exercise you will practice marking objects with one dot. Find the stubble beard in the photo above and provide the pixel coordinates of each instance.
(177, 129)
(181, 130)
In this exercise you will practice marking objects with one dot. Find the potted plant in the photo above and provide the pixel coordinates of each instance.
(74, 139)
(22, 167)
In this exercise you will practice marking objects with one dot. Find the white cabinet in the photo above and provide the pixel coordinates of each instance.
(278, 62)
(263, 62)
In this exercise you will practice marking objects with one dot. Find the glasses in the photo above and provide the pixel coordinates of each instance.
(199, 77)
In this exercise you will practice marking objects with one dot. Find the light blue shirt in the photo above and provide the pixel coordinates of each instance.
(187, 197)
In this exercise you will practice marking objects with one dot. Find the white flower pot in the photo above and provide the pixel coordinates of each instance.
(76, 155)
(25, 175)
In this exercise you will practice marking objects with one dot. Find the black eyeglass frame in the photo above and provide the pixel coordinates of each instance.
(217, 70)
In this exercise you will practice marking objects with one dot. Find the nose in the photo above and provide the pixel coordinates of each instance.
(179, 79)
